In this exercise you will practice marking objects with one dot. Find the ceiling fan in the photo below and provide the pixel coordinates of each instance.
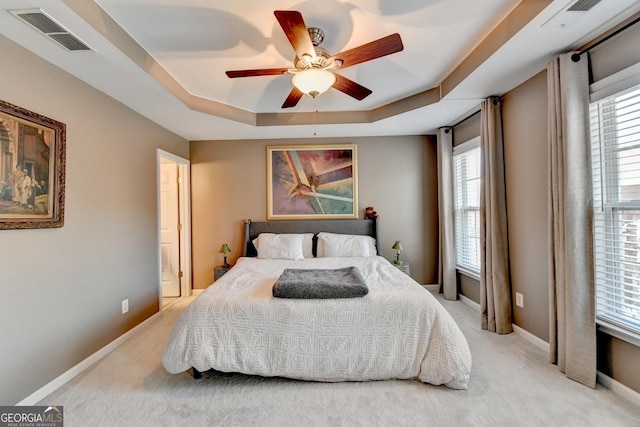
(314, 66)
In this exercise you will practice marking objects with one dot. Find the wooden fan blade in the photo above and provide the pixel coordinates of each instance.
(366, 52)
(293, 98)
(253, 73)
(350, 87)
(296, 31)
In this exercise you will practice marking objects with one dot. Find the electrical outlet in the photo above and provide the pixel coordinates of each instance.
(519, 300)
(125, 306)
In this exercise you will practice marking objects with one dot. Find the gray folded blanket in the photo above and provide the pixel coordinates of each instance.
(320, 283)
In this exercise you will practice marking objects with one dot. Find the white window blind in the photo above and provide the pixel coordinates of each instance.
(466, 169)
(615, 135)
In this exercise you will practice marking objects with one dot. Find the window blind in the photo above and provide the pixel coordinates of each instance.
(615, 135)
(466, 159)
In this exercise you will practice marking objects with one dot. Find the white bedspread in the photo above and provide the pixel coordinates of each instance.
(397, 331)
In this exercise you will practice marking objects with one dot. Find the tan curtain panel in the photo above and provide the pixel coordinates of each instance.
(446, 218)
(495, 289)
(572, 334)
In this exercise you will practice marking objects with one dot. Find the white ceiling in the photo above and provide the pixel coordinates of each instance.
(166, 58)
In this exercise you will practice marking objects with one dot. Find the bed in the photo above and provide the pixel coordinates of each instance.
(396, 330)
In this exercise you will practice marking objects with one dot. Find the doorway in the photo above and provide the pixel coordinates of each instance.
(174, 228)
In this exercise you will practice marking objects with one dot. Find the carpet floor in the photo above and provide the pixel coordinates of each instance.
(511, 384)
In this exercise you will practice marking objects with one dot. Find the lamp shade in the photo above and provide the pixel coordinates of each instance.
(224, 249)
(397, 246)
(313, 81)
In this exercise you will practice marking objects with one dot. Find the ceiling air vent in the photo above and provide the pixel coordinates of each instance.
(583, 5)
(568, 16)
(48, 26)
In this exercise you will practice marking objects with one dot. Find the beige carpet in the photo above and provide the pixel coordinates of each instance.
(511, 385)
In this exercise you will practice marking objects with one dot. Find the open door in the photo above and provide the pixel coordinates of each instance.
(173, 227)
(170, 229)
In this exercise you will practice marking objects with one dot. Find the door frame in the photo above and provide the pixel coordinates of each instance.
(184, 206)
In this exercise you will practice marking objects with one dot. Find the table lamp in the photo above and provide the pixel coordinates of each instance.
(225, 249)
(398, 247)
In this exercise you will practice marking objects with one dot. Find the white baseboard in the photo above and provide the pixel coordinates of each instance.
(540, 343)
(528, 336)
(608, 382)
(197, 292)
(58, 382)
(432, 288)
(469, 302)
(619, 388)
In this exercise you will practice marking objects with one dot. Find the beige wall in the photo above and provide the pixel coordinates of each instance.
(62, 288)
(524, 116)
(396, 175)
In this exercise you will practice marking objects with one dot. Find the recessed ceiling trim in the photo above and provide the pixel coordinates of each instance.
(313, 118)
(102, 22)
(519, 17)
(404, 105)
(410, 103)
(95, 16)
(50, 28)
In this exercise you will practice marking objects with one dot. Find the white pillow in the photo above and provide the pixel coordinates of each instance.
(345, 245)
(280, 246)
(307, 244)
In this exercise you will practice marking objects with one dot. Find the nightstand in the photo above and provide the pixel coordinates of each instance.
(404, 267)
(220, 271)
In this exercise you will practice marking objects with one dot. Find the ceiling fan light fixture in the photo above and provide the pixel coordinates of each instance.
(313, 81)
(313, 65)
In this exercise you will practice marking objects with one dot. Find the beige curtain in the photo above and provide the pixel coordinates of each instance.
(495, 291)
(572, 330)
(447, 241)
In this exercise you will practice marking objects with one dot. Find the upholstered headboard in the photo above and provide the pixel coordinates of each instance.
(366, 227)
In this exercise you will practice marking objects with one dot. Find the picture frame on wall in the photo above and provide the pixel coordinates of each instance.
(32, 169)
(312, 181)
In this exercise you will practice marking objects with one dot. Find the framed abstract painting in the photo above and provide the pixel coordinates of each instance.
(32, 169)
(312, 181)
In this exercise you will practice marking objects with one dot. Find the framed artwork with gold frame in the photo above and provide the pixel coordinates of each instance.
(312, 181)
(32, 169)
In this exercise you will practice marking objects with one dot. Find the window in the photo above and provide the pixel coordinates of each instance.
(615, 135)
(466, 170)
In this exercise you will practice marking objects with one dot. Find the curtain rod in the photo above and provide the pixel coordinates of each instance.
(448, 128)
(494, 99)
(576, 56)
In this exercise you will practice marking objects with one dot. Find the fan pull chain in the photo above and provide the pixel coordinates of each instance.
(315, 113)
